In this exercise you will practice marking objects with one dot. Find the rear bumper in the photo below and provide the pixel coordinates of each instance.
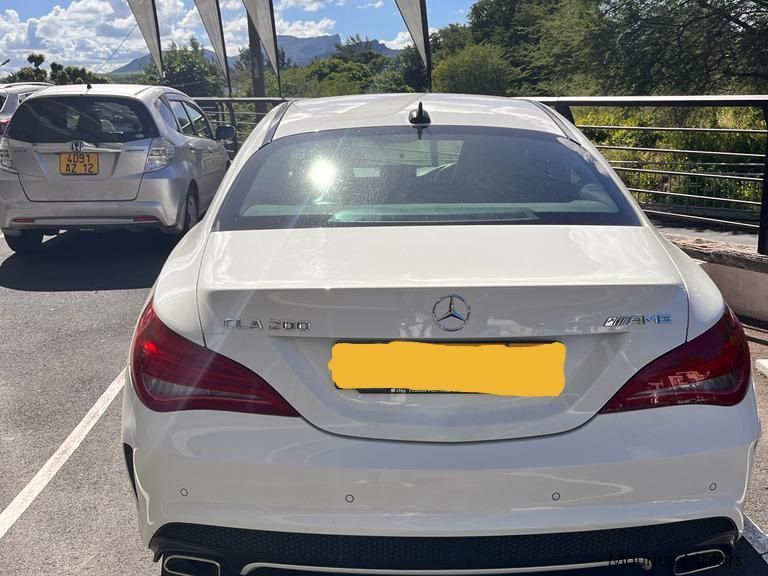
(269, 473)
(160, 199)
(246, 551)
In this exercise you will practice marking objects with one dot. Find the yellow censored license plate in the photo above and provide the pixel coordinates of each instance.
(530, 370)
(79, 163)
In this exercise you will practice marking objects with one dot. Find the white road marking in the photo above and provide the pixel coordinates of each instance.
(756, 537)
(762, 366)
(32, 490)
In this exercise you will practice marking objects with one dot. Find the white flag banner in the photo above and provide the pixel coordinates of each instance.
(145, 13)
(262, 15)
(414, 13)
(211, 17)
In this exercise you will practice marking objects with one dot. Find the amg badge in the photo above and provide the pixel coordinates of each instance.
(616, 321)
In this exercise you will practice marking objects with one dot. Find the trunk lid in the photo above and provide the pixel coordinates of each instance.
(121, 168)
(70, 148)
(527, 284)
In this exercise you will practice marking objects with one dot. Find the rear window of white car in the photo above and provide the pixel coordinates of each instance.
(95, 119)
(441, 175)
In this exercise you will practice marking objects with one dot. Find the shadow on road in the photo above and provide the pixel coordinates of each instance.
(76, 261)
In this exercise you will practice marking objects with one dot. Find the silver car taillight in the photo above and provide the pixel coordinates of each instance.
(160, 155)
(6, 162)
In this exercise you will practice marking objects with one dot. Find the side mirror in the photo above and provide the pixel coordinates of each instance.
(225, 132)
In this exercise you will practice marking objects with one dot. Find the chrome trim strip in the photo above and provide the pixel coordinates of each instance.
(252, 568)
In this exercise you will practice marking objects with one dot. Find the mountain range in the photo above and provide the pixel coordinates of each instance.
(299, 51)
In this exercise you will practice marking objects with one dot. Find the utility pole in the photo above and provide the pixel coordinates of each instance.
(257, 65)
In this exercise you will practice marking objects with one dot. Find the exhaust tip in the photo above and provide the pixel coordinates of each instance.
(700, 561)
(177, 565)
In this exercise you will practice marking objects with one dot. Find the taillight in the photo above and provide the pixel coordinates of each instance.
(160, 155)
(6, 162)
(712, 368)
(172, 373)
(4, 125)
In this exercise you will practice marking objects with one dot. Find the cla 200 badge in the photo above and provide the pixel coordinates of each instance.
(273, 324)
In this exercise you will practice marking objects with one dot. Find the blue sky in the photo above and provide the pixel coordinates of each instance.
(85, 32)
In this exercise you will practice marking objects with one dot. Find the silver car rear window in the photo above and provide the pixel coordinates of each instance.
(95, 119)
(440, 175)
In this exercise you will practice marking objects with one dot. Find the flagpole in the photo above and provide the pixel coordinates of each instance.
(277, 49)
(427, 43)
(159, 43)
(224, 46)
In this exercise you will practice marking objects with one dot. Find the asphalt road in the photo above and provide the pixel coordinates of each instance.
(66, 317)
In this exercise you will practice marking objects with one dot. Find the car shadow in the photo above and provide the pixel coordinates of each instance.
(88, 261)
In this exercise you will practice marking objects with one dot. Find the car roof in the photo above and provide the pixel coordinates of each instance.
(377, 110)
(131, 90)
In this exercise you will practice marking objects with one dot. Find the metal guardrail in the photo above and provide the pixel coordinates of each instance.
(711, 183)
(691, 185)
(242, 113)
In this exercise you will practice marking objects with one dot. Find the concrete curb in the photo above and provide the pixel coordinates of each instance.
(730, 254)
(744, 290)
(738, 271)
(762, 366)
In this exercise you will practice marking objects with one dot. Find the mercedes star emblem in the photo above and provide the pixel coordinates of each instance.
(451, 312)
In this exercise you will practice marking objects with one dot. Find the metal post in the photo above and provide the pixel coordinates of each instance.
(277, 49)
(159, 44)
(427, 44)
(257, 66)
(233, 120)
(226, 58)
(762, 235)
(565, 111)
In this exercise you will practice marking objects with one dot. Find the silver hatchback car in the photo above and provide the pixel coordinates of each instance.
(107, 156)
(11, 95)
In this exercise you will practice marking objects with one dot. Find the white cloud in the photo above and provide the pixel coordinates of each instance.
(305, 28)
(378, 4)
(307, 5)
(400, 41)
(86, 32)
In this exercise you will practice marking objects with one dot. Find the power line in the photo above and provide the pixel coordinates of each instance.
(116, 49)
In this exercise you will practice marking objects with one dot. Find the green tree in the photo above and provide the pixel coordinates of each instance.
(354, 77)
(389, 81)
(687, 46)
(61, 74)
(570, 55)
(477, 69)
(36, 59)
(32, 73)
(361, 51)
(411, 68)
(515, 26)
(187, 69)
(449, 40)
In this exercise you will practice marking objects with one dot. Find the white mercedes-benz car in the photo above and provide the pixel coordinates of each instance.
(434, 334)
